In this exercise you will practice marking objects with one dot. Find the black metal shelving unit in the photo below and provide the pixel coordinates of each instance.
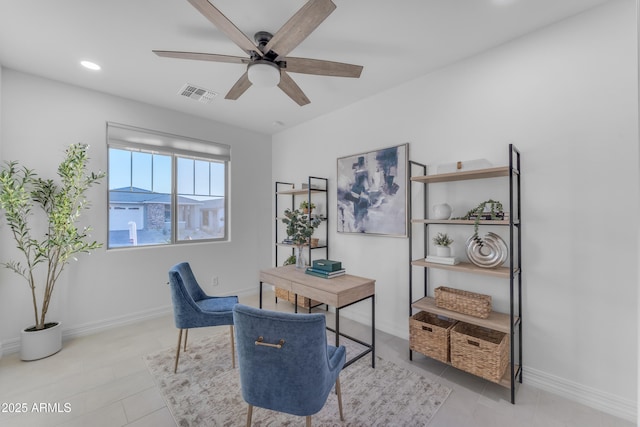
(510, 323)
(316, 186)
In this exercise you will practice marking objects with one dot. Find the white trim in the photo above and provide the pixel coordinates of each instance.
(13, 345)
(594, 398)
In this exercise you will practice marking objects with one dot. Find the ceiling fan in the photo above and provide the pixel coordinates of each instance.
(268, 63)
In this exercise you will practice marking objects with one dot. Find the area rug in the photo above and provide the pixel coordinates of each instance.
(206, 391)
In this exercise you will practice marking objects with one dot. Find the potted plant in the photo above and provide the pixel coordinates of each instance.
(495, 211)
(299, 230)
(442, 242)
(47, 238)
(307, 207)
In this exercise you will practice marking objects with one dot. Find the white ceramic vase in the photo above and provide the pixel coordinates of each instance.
(36, 345)
(441, 211)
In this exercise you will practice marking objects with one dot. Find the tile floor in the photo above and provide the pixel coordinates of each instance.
(101, 380)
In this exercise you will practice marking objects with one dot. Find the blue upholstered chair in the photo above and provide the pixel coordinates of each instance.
(285, 362)
(192, 308)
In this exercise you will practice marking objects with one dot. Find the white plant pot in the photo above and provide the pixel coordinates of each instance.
(443, 250)
(36, 345)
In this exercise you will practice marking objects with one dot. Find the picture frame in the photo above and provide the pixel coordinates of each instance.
(372, 192)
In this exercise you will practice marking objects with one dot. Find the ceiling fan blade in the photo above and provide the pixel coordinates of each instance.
(290, 87)
(225, 25)
(322, 68)
(239, 88)
(202, 56)
(299, 26)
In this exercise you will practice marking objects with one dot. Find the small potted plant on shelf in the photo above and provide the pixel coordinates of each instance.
(299, 231)
(443, 242)
(307, 207)
(41, 216)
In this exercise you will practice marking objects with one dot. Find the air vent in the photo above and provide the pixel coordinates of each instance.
(199, 94)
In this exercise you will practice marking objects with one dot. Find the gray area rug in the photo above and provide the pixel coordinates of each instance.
(206, 390)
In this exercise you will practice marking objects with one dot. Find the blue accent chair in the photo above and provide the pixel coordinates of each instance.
(285, 362)
(192, 308)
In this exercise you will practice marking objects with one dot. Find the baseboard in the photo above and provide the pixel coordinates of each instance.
(13, 345)
(594, 398)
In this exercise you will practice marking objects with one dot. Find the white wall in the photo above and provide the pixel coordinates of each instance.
(567, 98)
(1, 350)
(40, 119)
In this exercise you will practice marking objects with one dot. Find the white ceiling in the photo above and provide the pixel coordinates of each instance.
(395, 41)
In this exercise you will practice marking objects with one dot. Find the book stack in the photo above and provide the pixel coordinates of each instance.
(326, 269)
(487, 216)
(450, 260)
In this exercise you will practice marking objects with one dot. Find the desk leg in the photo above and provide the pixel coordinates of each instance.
(295, 305)
(337, 326)
(373, 331)
(260, 294)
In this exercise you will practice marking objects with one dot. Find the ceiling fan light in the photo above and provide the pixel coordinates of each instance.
(264, 74)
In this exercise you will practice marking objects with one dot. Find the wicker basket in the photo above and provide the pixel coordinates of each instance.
(465, 302)
(480, 351)
(303, 302)
(429, 335)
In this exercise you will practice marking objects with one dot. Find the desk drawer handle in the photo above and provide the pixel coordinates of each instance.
(260, 341)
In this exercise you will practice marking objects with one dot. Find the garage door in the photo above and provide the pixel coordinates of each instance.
(120, 215)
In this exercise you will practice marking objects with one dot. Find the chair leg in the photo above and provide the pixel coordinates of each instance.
(233, 349)
(175, 367)
(186, 335)
(308, 420)
(249, 414)
(339, 393)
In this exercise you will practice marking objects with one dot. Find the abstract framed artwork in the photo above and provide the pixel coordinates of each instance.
(372, 192)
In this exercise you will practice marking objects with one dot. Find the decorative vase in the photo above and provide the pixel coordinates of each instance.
(443, 251)
(491, 252)
(300, 261)
(38, 344)
(441, 211)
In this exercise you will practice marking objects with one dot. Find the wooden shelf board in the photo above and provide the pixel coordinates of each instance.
(313, 216)
(462, 176)
(496, 321)
(287, 245)
(298, 191)
(462, 221)
(466, 267)
(506, 380)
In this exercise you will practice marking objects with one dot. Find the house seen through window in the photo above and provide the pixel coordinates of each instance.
(165, 189)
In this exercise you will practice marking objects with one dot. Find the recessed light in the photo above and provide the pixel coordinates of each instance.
(90, 65)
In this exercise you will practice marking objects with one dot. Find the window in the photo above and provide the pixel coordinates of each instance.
(165, 189)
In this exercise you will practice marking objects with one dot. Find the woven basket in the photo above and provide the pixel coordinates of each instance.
(465, 302)
(429, 335)
(480, 351)
(303, 302)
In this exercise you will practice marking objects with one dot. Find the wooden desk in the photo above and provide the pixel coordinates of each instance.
(339, 292)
